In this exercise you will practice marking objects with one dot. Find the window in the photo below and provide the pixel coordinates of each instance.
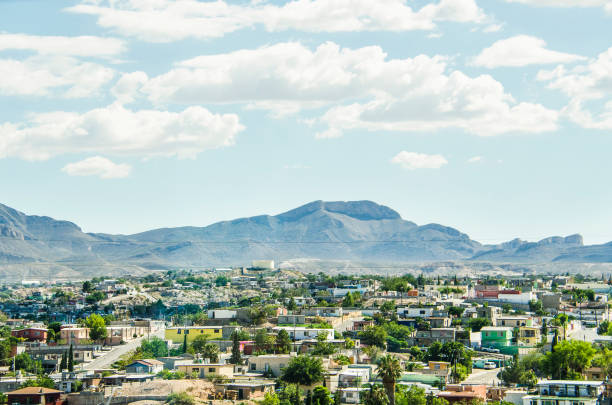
(216, 330)
(211, 369)
(201, 330)
(186, 331)
(178, 331)
(253, 366)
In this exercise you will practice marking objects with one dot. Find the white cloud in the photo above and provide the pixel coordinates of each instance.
(84, 46)
(56, 68)
(128, 86)
(115, 130)
(44, 75)
(493, 28)
(413, 161)
(475, 159)
(566, 3)
(586, 85)
(521, 50)
(367, 90)
(98, 166)
(170, 20)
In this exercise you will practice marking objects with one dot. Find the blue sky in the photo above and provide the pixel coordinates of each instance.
(494, 117)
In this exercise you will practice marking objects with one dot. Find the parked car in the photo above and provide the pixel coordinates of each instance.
(489, 366)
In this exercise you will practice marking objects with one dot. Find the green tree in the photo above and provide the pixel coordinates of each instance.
(389, 370)
(199, 343)
(291, 306)
(303, 370)
(71, 359)
(64, 362)
(321, 396)
(376, 395)
(88, 286)
(154, 347)
(569, 359)
(374, 336)
(97, 327)
(283, 341)
(211, 351)
(40, 381)
(411, 396)
(476, 324)
(185, 347)
(455, 311)
(262, 341)
(270, 399)
(236, 355)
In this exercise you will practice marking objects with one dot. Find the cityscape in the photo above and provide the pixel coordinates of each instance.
(305, 202)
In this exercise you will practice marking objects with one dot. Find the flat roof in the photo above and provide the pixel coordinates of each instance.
(569, 382)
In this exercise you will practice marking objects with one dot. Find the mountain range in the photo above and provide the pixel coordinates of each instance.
(360, 231)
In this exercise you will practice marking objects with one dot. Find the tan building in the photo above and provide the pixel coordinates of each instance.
(204, 370)
(274, 363)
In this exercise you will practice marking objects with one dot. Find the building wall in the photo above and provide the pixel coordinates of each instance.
(177, 335)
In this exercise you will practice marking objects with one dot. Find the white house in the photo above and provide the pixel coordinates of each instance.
(302, 333)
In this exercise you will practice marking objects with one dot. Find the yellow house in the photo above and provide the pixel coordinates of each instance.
(177, 335)
(204, 370)
(439, 365)
(529, 335)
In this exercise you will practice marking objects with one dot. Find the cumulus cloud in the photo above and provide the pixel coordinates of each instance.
(521, 50)
(82, 46)
(367, 89)
(115, 130)
(413, 160)
(587, 83)
(54, 65)
(566, 3)
(43, 76)
(475, 159)
(170, 20)
(98, 166)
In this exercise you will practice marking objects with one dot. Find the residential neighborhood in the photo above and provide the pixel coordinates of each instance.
(268, 335)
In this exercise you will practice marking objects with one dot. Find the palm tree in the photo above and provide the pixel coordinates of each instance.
(389, 370)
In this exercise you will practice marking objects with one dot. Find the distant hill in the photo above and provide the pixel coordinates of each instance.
(34, 246)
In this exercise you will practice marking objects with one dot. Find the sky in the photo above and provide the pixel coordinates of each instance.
(493, 117)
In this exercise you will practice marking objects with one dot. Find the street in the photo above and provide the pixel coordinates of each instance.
(109, 358)
(480, 376)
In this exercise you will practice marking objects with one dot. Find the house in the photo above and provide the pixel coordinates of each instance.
(145, 366)
(177, 334)
(466, 393)
(353, 377)
(324, 311)
(74, 335)
(302, 333)
(205, 370)
(529, 335)
(513, 321)
(31, 334)
(34, 395)
(222, 314)
(562, 392)
(351, 395)
(440, 322)
(291, 319)
(424, 338)
(269, 363)
(415, 312)
(496, 336)
(247, 390)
